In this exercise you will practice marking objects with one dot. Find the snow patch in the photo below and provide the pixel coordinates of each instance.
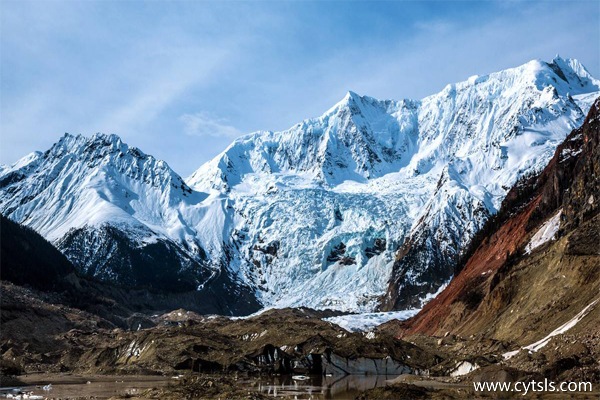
(463, 368)
(546, 233)
(367, 321)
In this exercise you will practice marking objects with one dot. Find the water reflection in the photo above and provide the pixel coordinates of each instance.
(104, 387)
(318, 387)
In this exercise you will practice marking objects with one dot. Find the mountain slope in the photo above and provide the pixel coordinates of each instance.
(419, 176)
(117, 214)
(519, 139)
(373, 196)
(28, 259)
(536, 267)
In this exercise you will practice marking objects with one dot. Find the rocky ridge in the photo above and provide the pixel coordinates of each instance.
(532, 276)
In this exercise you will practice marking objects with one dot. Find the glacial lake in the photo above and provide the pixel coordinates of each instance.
(318, 387)
(104, 387)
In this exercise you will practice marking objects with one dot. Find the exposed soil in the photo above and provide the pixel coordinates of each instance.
(212, 355)
(38, 335)
(505, 298)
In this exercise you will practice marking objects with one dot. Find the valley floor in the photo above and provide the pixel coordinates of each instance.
(288, 353)
(235, 387)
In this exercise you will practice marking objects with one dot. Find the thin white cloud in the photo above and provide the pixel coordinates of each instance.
(436, 26)
(171, 75)
(203, 124)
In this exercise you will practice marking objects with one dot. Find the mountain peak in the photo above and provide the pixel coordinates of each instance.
(574, 73)
(352, 96)
(351, 99)
(79, 143)
(101, 173)
(567, 76)
(95, 147)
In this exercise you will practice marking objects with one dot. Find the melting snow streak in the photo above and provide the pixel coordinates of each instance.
(558, 331)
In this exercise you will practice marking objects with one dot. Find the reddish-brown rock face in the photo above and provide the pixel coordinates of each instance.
(495, 273)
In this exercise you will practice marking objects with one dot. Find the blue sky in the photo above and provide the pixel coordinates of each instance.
(181, 80)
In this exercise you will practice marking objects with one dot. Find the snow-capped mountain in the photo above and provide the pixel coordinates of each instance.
(314, 215)
(337, 196)
(118, 214)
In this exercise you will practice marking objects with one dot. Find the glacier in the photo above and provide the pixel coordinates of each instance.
(318, 215)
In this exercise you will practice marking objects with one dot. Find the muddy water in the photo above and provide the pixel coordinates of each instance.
(74, 386)
(104, 387)
(318, 387)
